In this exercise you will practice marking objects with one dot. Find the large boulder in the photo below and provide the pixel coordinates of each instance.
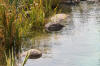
(33, 54)
(56, 22)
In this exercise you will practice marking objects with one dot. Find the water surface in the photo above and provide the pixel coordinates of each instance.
(78, 44)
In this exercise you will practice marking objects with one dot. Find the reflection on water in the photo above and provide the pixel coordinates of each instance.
(78, 44)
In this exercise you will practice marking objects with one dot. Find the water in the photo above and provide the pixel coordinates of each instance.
(78, 44)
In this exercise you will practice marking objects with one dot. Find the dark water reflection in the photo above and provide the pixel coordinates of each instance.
(78, 44)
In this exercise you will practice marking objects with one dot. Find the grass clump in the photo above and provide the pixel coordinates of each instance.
(20, 18)
(34, 15)
(10, 31)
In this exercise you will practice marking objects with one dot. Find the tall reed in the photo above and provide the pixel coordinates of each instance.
(21, 17)
(33, 16)
(10, 31)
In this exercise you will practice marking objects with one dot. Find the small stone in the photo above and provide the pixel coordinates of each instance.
(55, 27)
(33, 54)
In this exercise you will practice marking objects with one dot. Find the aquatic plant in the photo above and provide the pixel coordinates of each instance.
(10, 32)
(34, 16)
(10, 60)
(15, 20)
(25, 60)
(19, 18)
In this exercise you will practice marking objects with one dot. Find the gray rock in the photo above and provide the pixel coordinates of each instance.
(33, 54)
(54, 27)
(56, 22)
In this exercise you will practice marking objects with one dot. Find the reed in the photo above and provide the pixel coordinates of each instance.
(35, 15)
(25, 60)
(10, 31)
(19, 18)
(10, 59)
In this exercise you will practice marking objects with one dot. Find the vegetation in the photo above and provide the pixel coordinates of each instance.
(19, 18)
(11, 59)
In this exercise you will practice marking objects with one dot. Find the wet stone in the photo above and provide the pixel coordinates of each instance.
(56, 22)
(33, 54)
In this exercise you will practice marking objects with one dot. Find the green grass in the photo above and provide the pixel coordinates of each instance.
(19, 18)
(34, 16)
(25, 60)
(11, 59)
(10, 31)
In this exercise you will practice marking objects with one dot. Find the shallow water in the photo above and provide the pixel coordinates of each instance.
(78, 44)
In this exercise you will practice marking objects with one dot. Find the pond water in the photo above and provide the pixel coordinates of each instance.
(77, 44)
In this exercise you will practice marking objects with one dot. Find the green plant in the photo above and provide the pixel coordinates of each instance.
(10, 31)
(25, 60)
(34, 16)
(20, 18)
(10, 59)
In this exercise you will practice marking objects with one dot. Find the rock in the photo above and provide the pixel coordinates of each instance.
(55, 27)
(59, 17)
(70, 2)
(33, 54)
(55, 23)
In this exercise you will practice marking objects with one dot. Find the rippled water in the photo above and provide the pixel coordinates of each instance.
(78, 44)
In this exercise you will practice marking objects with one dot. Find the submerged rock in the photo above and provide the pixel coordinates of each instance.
(54, 27)
(56, 22)
(33, 54)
